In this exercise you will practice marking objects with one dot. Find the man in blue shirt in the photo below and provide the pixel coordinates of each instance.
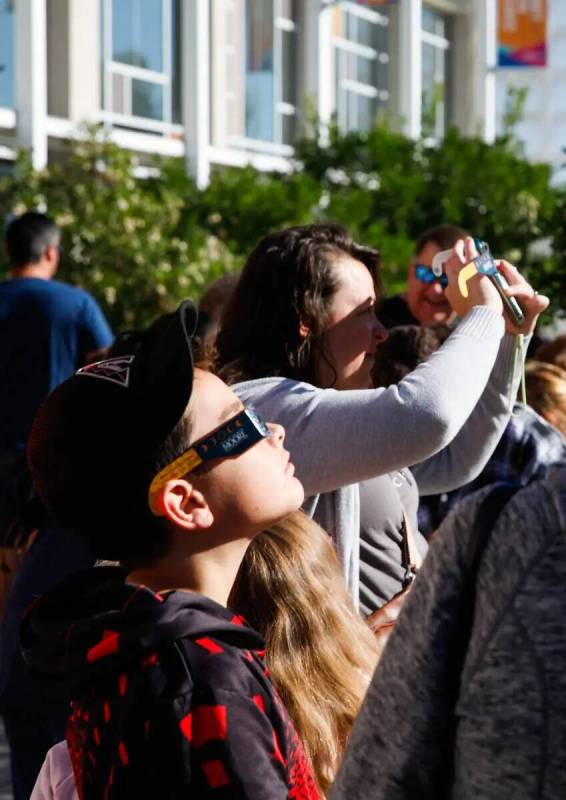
(47, 329)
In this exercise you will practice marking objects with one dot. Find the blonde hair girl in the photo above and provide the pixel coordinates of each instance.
(320, 653)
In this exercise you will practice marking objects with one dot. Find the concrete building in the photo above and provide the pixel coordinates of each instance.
(233, 81)
(543, 128)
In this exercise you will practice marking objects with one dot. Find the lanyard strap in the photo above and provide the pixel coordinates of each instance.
(518, 363)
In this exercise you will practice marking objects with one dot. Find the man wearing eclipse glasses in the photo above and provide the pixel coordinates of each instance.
(424, 302)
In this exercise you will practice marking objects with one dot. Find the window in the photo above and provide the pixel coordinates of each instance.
(260, 58)
(362, 65)
(435, 71)
(7, 35)
(140, 62)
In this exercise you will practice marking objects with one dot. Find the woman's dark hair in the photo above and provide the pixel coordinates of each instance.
(287, 280)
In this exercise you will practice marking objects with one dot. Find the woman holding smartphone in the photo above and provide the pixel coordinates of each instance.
(299, 339)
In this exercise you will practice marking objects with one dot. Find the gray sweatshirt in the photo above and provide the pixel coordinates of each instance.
(510, 739)
(339, 438)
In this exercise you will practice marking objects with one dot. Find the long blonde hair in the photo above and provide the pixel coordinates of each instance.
(319, 651)
(546, 392)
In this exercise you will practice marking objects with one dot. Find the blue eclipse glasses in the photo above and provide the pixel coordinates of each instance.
(426, 275)
(231, 438)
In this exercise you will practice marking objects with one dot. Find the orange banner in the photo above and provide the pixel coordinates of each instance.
(522, 33)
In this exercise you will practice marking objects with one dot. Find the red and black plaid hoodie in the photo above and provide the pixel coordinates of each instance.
(169, 694)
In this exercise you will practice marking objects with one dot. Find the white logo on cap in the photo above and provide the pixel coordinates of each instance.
(115, 370)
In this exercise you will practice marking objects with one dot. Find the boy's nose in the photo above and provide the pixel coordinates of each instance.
(277, 433)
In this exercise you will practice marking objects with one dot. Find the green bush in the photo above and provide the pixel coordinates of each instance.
(141, 244)
(404, 187)
(120, 234)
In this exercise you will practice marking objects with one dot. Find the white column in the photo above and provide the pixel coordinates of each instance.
(31, 78)
(219, 72)
(474, 65)
(307, 56)
(85, 99)
(195, 35)
(482, 119)
(326, 78)
(409, 66)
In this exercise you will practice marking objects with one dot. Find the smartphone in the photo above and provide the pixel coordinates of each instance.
(485, 263)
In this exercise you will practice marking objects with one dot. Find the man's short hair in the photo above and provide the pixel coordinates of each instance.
(443, 236)
(28, 236)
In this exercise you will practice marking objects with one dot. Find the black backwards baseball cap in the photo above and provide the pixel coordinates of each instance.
(92, 447)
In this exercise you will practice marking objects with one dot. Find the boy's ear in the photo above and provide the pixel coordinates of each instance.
(184, 506)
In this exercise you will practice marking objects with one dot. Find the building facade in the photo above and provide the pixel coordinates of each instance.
(542, 129)
(232, 82)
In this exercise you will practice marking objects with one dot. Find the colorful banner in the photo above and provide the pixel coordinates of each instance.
(522, 33)
(362, 2)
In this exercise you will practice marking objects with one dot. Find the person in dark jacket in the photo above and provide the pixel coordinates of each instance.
(156, 464)
(495, 728)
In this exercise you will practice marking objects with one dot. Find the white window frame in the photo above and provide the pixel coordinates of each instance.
(343, 45)
(280, 107)
(7, 118)
(444, 44)
(7, 153)
(163, 78)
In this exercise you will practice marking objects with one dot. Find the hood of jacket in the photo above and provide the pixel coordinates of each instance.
(95, 624)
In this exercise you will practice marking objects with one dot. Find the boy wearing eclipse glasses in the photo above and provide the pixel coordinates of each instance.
(159, 466)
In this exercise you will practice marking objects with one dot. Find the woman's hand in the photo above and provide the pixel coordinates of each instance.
(382, 621)
(531, 303)
(481, 291)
